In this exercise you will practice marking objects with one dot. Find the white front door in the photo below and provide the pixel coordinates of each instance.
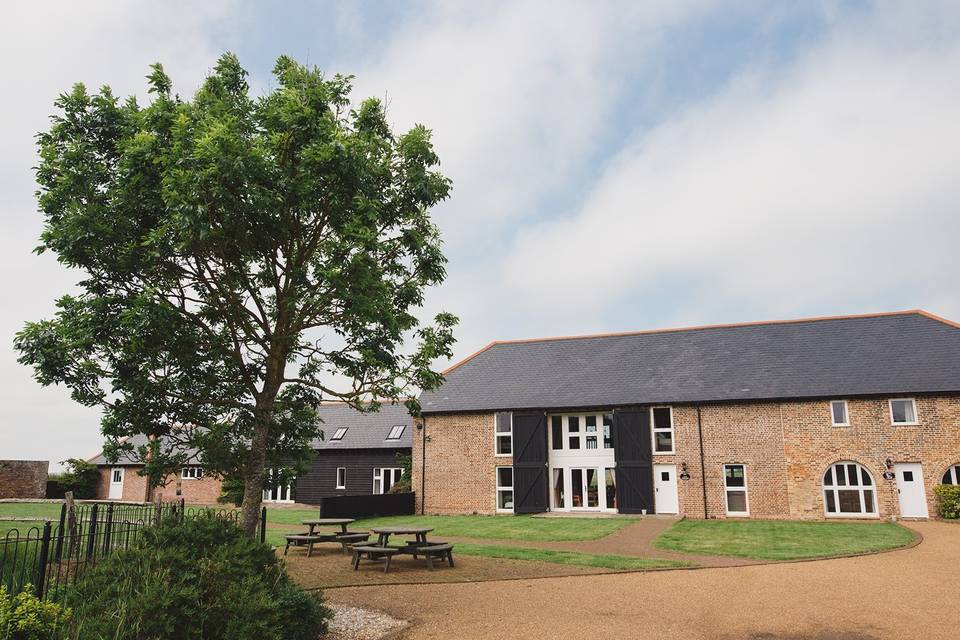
(665, 488)
(116, 483)
(913, 497)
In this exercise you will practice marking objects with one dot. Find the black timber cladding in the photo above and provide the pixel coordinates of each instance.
(899, 353)
(321, 479)
(632, 450)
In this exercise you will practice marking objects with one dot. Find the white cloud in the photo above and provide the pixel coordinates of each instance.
(829, 185)
(45, 47)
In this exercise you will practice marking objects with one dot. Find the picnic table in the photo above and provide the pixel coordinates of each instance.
(328, 522)
(384, 533)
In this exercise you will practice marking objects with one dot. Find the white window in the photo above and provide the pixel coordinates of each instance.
(279, 488)
(903, 411)
(952, 476)
(191, 473)
(580, 432)
(117, 475)
(848, 490)
(341, 477)
(662, 420)
(503, 434)
(735, 489)
(396, 432)
(384, 478)
(339, 433)
(504, 488)
(839, 413)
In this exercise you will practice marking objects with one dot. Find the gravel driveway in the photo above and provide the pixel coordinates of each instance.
(911, 593)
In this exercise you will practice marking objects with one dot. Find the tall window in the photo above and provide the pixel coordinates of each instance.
(191, 473)
(839, 413)
(504, 488)
(903, 411)
(662, 421)
(279, 487)
(341, 477)
(385, 477)
(556, 432)
(580, 432)
(848, 489)
(735, 488)
(607, 423)
(952, 476)
(503, 434)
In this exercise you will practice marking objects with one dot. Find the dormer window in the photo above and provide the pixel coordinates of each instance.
(396, 432)
(338, 435)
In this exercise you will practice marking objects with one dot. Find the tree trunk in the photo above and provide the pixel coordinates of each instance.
(254, 474)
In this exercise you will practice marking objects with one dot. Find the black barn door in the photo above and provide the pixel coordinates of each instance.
(632, 450)
(529, 463)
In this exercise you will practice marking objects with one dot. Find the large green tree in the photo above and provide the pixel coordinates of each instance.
(244, 258)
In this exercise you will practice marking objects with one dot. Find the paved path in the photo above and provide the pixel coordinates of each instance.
(911, 593)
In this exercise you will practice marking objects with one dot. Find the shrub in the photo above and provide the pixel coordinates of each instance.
(81, 477)
(403, 485)
(948, 500)
(25, 617)
(231, 491)
(202, 578)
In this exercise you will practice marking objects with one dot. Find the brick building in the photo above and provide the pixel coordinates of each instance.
(357, 456)
(23, 478)
(855, 416)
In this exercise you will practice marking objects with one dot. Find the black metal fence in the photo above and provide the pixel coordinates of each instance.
(52, 554)
(368, 506)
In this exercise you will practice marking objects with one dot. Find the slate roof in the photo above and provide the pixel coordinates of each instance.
(892, 353)
(127, 459)
(364, 431)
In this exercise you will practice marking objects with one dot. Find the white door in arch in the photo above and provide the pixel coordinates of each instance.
(116, 484)
(913, 496)
(665, 488)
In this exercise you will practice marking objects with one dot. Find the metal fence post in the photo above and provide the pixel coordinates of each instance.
(92, 531)
(263, 524)
(42, 563)
(108, 530)
(183, 510)
(63, 520)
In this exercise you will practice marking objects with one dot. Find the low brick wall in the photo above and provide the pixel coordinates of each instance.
(23, 478)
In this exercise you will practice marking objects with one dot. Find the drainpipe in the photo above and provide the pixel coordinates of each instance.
(423, 465)
(703, 470)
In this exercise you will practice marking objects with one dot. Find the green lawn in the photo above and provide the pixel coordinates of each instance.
(781, 540)
(49, 510)
(506, 527)
(603, 561)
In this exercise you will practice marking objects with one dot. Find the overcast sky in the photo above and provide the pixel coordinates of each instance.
(616, 166)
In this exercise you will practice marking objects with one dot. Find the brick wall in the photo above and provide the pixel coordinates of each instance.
(785, 447)
(460, 464)
(23, 478)
(203, 491)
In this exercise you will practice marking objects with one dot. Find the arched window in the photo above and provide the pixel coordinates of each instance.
(848, 490)
(952, 476)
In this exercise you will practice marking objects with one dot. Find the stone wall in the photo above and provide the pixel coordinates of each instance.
(23, 478)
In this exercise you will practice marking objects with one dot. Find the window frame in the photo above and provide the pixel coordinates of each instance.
(378, 471)
(399, 435)
(502, 434)
(339, 433)
(503, 488)
(113, 474)
(195, 468)
(954, 472)
(916, 413)
(744, 488)
(859, 487)
(846, 414)
(341, 485)
(654, 431)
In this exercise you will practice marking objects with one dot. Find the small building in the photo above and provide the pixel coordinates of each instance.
(853, 417)
(359, 455)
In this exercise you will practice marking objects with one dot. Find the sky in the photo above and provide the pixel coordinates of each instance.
(616, 165)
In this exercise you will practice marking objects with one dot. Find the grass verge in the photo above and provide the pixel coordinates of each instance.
(781, 539)
(603, 561)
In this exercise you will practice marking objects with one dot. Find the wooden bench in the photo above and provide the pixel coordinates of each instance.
(441, 550)
(350, 538)
(373, 552)
(304, 539)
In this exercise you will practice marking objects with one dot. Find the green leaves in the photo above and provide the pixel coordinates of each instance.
(245, 258)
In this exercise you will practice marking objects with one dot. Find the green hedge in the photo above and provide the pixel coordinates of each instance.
(25, 617)
(948, 500)
(199, 579)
